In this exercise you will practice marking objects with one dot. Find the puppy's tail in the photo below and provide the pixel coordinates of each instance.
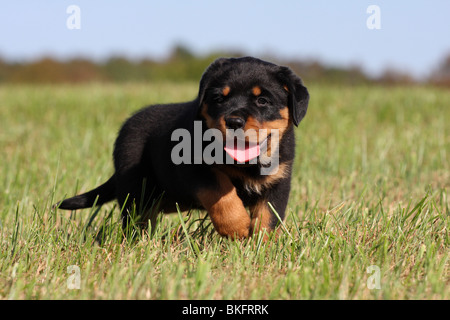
(106, 192)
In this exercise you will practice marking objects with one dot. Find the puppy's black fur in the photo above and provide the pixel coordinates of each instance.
(237, 93)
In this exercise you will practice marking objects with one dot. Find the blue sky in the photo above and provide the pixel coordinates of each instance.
(414, 35)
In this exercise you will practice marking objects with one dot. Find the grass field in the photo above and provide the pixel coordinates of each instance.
(368, 216)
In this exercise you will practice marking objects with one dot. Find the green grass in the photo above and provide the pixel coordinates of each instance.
(370, 188)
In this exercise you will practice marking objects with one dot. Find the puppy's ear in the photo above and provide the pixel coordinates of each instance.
(207, 77)
(298, 94)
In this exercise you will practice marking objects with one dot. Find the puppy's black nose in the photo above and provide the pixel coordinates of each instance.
(235, 123)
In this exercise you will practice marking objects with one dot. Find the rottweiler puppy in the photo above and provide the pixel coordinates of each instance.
(165, 156)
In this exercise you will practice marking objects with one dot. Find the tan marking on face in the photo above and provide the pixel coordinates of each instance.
(279, 124)
(263, 129)
(256, 90)
(212, 123)
(286, 88)
(225, 208)
(252, 123)
(226, 91)
(251, 129)
(221, 125)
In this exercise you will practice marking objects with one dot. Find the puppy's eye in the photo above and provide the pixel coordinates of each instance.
(262, 101)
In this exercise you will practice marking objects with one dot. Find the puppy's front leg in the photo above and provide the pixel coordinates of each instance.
(225, 208)
(262, 217)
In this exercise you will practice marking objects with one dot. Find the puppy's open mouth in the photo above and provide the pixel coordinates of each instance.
(244, 151)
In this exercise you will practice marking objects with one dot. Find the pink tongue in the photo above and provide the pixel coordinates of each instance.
(242, 152)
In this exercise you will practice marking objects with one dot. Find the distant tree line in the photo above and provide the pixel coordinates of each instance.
(183, 65)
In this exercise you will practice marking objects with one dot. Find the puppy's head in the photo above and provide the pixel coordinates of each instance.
(251, 96)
